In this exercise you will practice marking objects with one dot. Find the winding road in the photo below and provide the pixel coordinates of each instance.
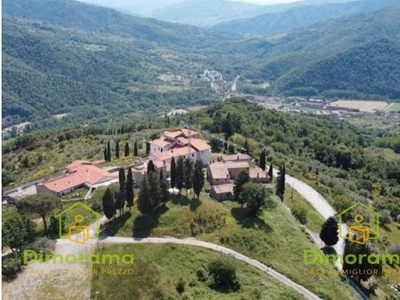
(65, 246)
(320, 204)
(194, 242)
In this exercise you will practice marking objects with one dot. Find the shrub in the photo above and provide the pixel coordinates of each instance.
(300, 213)
(43, 244)
(180, 287)
(223, 273)
(202, 275)
(11, 266)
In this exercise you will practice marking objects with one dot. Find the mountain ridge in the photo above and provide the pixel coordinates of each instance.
(300, 17)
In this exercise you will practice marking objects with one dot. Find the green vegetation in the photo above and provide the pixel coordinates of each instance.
(181, 271)
(60, 63)
(344, 76)
(274, 237)
(327, 153)
(298, 17)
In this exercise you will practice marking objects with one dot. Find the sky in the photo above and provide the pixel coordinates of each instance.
(267, 1)
(128, 2)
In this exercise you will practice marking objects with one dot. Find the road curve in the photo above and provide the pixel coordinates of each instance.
(320, 204)
(194, 242)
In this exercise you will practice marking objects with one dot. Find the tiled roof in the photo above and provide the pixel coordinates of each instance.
(181, 132)
(199, 144)
(160, 142)
(187, 132)
(219, 171)
(223, 188)
(236, 165)
(183, 140)
(176, 152)
(82, 174)
(257, 172)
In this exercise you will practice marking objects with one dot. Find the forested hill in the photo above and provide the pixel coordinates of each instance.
(51, 70)
(371, 69)
(289, 56)
(74, 14)
(344, 158)
(300, 17)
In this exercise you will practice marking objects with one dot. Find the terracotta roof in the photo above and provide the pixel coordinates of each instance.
(257, 172)
(160, 142)
(181, 132)
(223, 188)
(219, 171)
(183, 140)
(187, 132)
(199, 144)
(82, 174)
(174, 134)
(175, 152)
(236, 165)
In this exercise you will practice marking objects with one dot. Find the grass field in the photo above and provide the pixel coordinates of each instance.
(275, 238)
(365, 106)
(159, 268)
(393, 107)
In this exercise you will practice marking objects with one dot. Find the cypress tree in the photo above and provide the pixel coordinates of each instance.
(161, 175)
(164, 191)
(108, 204)
(109, 151)
(126, 149)
(329, 232)
(150, 167)
(105, 154)
(180, 174)
(144, 204)
(173, 173)
(271, 171)
(147, 148)
(280, 186)
(262, 163)
(122, 180)
(188, 175)
(198, 178)
(135, 149)
(129, 189)
(154, 190)
(117, 150)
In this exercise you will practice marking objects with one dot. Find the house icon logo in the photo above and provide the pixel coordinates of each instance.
(360, 232)
(82, 231)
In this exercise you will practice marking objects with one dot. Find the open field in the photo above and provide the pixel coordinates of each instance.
(275, 238)
(159, 268)
(364, 106)
(393, 107)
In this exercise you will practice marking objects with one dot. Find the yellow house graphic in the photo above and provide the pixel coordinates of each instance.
(79, 233)
(359, 232)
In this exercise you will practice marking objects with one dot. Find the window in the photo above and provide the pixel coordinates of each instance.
(192, 155)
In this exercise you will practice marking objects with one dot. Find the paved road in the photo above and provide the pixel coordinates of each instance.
(320, 204)
(193, 242)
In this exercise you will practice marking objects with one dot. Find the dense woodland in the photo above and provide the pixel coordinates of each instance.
(98, 63)
(341, 160)
(299, 16)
